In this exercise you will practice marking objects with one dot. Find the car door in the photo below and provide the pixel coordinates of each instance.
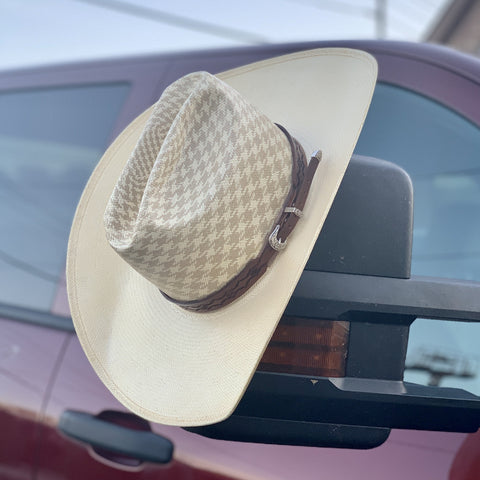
(54, 125)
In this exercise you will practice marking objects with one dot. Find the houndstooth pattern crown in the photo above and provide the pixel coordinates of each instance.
(201, 191)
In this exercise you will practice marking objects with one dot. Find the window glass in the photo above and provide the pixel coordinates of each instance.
(440, 151)
(50, 140)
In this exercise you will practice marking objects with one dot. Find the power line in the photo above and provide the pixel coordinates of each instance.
(378, 13)
(344, 8)
(27, 267)
(178, 21)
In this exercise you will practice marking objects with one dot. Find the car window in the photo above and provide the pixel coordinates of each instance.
(440, 150)
(50, 140)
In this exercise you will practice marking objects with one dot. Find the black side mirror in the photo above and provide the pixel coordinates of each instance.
(358, 274)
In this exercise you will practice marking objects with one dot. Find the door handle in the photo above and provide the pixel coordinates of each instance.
(140, 444)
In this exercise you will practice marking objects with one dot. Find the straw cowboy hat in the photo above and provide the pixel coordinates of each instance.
(195, 226)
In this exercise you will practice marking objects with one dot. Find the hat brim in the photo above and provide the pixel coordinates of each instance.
(177, 367)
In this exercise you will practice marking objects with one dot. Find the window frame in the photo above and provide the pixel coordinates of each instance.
(140, 75)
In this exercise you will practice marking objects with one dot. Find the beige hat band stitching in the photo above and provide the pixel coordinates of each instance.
(302, 177)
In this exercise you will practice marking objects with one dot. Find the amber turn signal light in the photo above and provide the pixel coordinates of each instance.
(305, 346)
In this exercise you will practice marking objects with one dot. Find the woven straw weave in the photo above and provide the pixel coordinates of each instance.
(201, 191)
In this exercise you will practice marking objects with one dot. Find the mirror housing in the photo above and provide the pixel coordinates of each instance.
(359, 272)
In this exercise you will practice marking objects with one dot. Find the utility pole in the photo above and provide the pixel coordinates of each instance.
(381, 18)
(439, 364)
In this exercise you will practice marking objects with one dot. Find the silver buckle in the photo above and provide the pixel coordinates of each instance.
(274, 242)
(295, 211)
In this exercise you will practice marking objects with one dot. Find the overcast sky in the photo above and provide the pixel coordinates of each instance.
(36, 32)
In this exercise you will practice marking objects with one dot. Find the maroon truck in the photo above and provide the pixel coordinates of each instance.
(399, 412)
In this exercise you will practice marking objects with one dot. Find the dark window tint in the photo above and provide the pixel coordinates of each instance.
(50, 140)
(441, 151)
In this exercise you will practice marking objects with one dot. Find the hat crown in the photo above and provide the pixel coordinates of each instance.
(201, 191)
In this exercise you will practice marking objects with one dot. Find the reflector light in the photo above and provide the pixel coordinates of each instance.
(305, 346)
